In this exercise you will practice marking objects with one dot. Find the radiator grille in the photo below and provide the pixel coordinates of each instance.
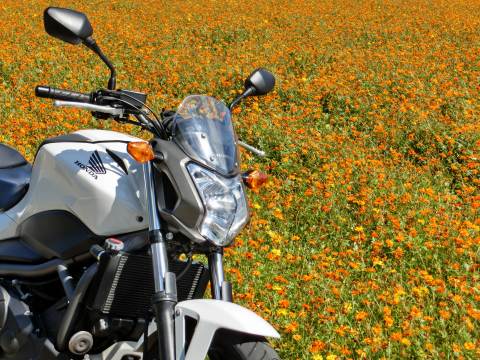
(125, 286)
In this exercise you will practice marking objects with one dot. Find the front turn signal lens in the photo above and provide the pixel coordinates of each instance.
(254, 179)
(141, 151)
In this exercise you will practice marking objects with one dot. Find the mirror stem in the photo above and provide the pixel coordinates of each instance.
(242, 96)
(92, 45)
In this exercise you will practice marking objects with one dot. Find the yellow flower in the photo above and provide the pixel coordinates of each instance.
(276, 252)
(469, 345)
(378, 262)
(347, 307)
(274, 236)
(317, 357)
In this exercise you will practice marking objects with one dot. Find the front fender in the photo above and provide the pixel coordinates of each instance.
(212, 315)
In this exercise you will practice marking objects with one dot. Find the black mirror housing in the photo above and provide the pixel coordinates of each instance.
(73, 27)
(68, 25)
(261, 82)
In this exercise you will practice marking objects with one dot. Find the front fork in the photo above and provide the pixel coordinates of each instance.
(165, 297)
(221, 289)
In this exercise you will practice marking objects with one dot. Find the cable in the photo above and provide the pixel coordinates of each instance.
(135, 107)
(162, 128)
(187, 267)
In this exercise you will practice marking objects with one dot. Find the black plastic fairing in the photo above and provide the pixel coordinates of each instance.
(188, 210)
(14, 183)
(10, 157)
(57, 234)
(167, 194)
(16, 251)
(15, 174)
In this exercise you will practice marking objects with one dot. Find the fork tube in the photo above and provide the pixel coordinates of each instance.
(215, 263)
(157, 243)
(165, 297)
(153, 218)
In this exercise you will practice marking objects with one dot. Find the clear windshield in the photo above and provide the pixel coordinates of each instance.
(203, 129)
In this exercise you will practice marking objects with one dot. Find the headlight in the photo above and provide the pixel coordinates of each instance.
(225, 205)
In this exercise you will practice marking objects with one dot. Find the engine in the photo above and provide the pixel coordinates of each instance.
(108, 301)
(19, 337)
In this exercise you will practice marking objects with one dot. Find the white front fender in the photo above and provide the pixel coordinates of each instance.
(212, 315)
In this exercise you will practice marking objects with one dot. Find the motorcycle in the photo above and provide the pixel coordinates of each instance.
(97, 236)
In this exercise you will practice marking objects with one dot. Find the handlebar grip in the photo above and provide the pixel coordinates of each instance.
(61, 94)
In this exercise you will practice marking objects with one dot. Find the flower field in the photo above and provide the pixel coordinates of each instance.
(365, 241)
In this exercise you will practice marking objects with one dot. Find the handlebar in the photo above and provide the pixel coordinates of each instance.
(105, 104)
(61, 94)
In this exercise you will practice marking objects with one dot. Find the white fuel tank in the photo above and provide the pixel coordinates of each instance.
(89, 174)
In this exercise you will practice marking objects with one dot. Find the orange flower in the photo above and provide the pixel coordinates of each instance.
(317, 346)
(444, 314)
(361, 315)
(396, 336)
(291, 327)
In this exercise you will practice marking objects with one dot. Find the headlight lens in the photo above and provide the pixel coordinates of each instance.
(225, 204)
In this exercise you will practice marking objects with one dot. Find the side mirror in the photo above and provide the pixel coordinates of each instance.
(67, 25)
(261, 81)
(73, 27)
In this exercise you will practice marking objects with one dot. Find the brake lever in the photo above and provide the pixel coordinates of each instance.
(252, 149)
(91, 107)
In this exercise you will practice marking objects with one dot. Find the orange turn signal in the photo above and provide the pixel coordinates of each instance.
(254, 179)
(141, 151)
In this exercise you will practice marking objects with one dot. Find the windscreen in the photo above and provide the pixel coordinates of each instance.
(203, 129)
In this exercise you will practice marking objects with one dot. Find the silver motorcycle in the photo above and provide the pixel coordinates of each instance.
(97, 236)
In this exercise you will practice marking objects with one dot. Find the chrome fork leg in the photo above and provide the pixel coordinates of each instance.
(221, 289)
(153, 218)
(160, 263)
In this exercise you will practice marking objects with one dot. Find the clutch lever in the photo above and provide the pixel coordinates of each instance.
(91, 107)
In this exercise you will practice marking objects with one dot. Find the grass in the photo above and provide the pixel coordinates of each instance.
(365, 242)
